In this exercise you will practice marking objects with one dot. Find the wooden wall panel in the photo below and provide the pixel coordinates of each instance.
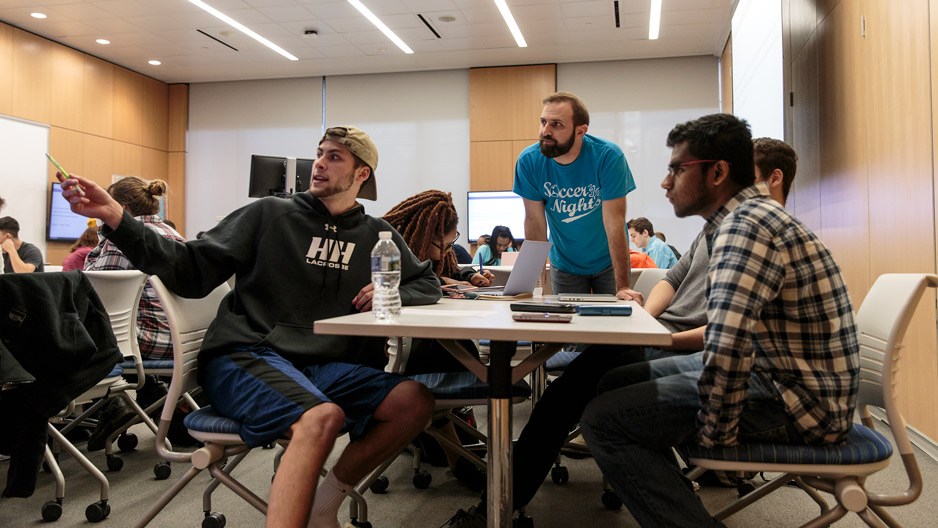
(726, 77)
(98, 99)
(178, 117)
(505, 103)
(842, 133)
(98, 154)
(900, 163)
(154, 164)
(66, 103)
(32, 76)
(176, 178)
(127, 159)
(492, 166)
(66, 146)
(805, 195)
(6, 69)
(129, 103)
(155, 105)
(933, 28)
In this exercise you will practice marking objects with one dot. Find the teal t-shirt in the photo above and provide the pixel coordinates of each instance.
(484, 254)
(573, 196)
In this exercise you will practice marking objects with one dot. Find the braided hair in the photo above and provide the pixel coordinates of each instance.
(423, 218)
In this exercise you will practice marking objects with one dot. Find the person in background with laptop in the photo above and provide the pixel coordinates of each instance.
(576, 184)
(500, 241)
(18, 256)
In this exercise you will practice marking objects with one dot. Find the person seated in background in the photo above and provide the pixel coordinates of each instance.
(462, 254)
(428, 222)
(18, 256)
(775, 163)
(661, 237)
(642, 234)
(637, 259)
(80, 249)
(780, 359)
(297, 260)
(500, 241)
(139, 198)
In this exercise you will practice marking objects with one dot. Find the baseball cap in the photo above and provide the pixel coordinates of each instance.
(360, 144)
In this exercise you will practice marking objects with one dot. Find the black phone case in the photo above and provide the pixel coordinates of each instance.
(543, 307)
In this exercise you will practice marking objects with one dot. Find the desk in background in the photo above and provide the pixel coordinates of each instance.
(451, 320)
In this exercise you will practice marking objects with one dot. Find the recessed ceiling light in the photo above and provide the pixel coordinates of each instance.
(155, 62)
(38, 15)
(103, 41)
(447, 18)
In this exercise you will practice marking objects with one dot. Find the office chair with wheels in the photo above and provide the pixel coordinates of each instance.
(842, 470)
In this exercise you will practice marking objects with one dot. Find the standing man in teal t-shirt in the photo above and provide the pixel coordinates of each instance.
(576, 184)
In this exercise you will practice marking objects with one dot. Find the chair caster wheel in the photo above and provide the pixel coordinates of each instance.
(610, 500)
(97, 511)
(52, 510)
(559, 474)
(422, 479)
(127, 442)
(114, 463)
(380, 485)
(213, 520)
(745, 488)
(162, 471)
(358, 524)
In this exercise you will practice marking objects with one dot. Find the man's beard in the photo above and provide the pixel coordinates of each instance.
(340, 186)
(558, 149)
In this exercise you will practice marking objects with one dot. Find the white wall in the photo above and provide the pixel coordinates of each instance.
(420, 122)
(758, 84)
(635, 104)
(24, 177)
(228, 122)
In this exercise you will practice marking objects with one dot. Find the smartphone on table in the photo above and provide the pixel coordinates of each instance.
(542, 317)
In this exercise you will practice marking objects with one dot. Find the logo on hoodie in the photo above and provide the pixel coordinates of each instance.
(330, 253)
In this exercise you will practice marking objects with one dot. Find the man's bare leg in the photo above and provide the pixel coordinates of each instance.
(398, 419)
(311, 441)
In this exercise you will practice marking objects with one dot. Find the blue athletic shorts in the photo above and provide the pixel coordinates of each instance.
(267, 394)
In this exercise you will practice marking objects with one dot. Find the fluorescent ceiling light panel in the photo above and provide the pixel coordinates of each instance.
(242, 28)
(512, 25)
(654, 22)
(380, 25)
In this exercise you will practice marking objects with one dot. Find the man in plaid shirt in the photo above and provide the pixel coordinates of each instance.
(780, 360)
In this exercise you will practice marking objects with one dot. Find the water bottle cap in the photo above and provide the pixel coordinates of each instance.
(384, 235)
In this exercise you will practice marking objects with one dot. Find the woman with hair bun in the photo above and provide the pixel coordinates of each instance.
(140, 199)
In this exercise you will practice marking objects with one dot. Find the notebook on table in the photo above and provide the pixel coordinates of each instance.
(524, 274)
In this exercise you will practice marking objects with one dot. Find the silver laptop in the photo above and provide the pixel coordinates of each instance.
(525, 272)
(586, 297)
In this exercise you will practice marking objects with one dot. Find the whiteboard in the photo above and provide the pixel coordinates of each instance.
(24, 177)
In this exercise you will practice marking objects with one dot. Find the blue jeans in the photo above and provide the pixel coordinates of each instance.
(602, 282)
(631, 429)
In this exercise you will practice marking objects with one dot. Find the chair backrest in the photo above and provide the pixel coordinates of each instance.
(188, 321)
(120, 292)
(648, 279)
(882, 321)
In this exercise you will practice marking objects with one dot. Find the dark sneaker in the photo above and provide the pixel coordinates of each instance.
(117, 415)
(467, 519)
(153, 389)
(469, 474)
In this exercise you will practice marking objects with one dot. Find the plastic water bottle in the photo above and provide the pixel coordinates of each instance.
(386, 277)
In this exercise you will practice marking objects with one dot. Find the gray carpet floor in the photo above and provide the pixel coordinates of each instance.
(576, 503)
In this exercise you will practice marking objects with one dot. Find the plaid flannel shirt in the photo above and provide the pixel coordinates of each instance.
(777, 307)
(153, 334)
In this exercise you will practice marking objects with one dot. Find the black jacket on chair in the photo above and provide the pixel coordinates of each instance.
(55, 326)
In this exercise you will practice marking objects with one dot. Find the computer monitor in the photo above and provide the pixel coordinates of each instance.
(268, 175)
(487, 209)
(62, 224)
